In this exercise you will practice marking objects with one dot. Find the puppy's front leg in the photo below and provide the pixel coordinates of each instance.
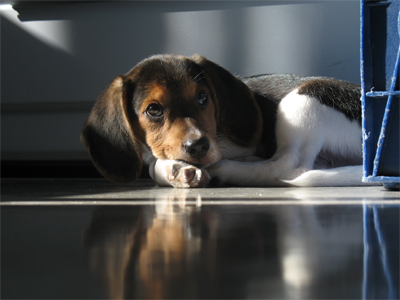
(250, 173)
(178, 174)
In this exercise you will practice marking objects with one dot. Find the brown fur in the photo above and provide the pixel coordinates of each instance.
(119, 122)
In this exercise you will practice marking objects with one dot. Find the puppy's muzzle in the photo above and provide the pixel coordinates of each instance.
(197, 148)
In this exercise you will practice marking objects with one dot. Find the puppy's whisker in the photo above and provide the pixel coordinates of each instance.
(196, 77)
(200, 78)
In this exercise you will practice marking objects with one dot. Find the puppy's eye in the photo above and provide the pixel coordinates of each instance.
(154, 110)
(202, 98)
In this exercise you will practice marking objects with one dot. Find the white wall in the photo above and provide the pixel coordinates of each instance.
(57, 58)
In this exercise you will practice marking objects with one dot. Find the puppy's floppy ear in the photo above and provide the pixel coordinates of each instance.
(108, 135)
(237, 112)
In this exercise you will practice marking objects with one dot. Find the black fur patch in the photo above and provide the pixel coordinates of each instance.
(270, 89)
(340, 95)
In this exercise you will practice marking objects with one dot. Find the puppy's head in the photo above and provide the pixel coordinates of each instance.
(176, 111)
(174, 106)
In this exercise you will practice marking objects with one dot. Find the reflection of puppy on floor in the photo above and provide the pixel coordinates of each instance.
(110, 241)
(173, 250)
(176, 251)
(153, 250)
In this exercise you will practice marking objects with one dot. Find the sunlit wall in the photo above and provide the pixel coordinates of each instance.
(56, 58)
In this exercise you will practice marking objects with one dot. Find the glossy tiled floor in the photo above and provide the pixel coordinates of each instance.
(91, 239)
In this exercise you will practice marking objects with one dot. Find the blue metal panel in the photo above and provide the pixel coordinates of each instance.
(380, 58)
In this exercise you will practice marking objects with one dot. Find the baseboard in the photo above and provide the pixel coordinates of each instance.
(52, 169)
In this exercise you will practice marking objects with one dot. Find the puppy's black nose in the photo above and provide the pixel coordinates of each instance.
(197, 148)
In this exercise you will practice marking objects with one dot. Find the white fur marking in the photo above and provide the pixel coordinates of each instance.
(304, 128)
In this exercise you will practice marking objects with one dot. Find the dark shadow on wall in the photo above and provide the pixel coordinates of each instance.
(107, 39)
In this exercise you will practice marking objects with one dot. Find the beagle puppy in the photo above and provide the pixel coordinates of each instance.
(194, 124)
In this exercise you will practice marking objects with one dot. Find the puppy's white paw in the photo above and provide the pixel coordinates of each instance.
(182, 175)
